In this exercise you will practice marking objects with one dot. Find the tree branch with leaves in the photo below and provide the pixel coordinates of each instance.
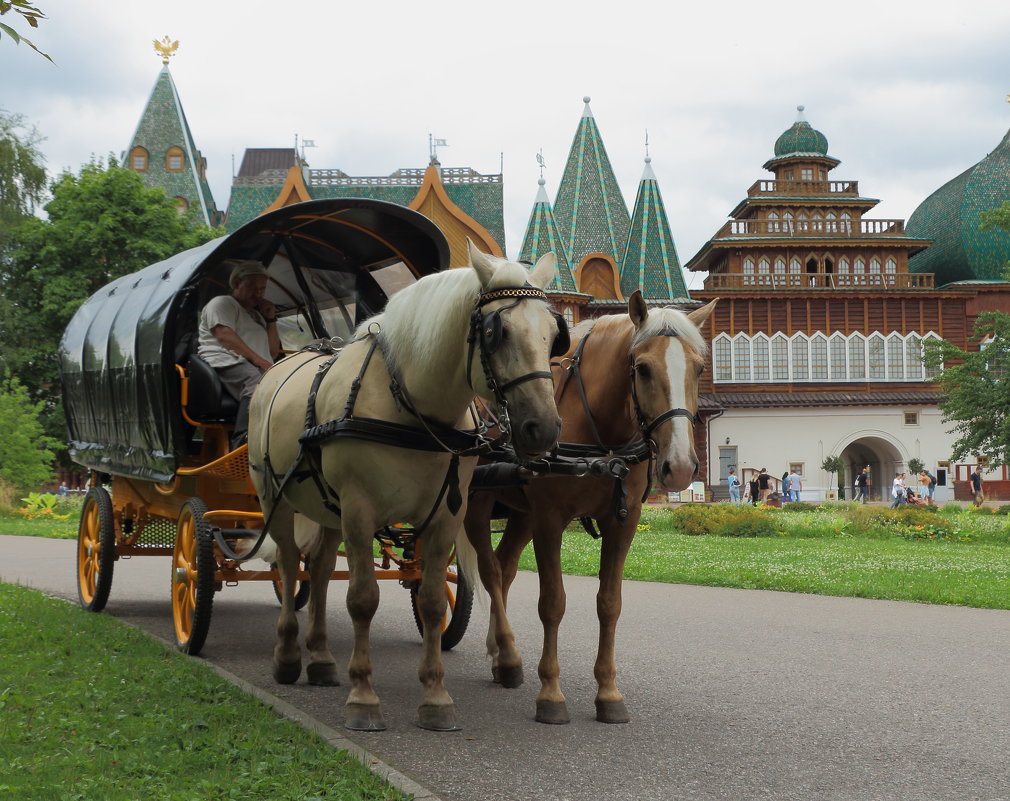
(29, 14)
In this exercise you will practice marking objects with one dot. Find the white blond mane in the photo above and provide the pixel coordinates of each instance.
(428, 320)
(667, 317)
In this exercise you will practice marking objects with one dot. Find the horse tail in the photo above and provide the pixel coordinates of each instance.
(466, 562)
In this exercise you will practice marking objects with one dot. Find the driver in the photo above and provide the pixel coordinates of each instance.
(238, 338)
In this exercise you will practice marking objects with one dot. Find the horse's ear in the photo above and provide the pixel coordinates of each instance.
(699, 316)
(544, 271)
(637, 310)
(480, 262)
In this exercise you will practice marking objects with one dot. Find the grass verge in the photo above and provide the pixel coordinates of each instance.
(93, 710)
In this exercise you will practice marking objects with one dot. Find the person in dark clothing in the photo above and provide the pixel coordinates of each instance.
(754, 489)
(976, 486)
(764, 484)
(862, 485)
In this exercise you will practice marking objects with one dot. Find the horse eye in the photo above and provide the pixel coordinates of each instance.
(643, 370)
(701, 370)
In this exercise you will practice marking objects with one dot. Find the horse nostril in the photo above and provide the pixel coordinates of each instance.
(665, 470)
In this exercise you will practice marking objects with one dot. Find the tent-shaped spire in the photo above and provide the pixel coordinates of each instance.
(650, 261)
(542, 237)
(590, 211)
(162, 150)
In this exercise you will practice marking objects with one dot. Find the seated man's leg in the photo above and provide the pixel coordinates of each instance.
(240, 380)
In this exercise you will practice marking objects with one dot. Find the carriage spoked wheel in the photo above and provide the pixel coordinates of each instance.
(193, 569)
(96, 550)
(459, 604)
(302, 588)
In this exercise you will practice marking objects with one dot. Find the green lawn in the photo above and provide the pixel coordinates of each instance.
(91, 710)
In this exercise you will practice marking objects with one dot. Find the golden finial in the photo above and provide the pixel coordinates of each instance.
(165, 48)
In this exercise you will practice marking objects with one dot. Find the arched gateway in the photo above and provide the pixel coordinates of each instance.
(881, 455)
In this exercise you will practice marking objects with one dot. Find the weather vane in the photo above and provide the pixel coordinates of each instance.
(647, 143)
(541, 162)
(433, 146)
(166, 48)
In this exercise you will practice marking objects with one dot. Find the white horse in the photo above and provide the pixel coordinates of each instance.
(485, 329)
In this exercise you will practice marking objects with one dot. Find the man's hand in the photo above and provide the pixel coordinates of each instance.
(266, 308)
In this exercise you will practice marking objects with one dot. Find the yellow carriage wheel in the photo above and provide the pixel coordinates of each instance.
(193, 569)
(459, 604)
(96, 550)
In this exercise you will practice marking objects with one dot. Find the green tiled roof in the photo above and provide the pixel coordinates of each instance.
(950, 217)
(590, 211)
(650, 261)
(481, 200)
(163, 125)
(542, 237)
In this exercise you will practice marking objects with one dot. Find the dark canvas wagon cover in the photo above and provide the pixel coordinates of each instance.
(332, 263)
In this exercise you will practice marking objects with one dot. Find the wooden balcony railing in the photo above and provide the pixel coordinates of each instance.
(816, 228)
(795, 188)
(731, 281)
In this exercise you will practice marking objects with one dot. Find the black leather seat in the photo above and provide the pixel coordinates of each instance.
(209, 401)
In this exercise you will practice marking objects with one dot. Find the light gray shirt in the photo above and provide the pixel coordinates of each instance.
(250, 327)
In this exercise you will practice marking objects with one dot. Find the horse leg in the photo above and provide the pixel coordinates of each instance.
(436, 711)
(551, 704)
(506, 661)
(322, 667)
(287, 664)
(362, 711)
(617, 539)
(516, 537)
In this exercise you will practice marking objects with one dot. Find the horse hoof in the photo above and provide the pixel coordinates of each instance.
(364, 717)
(553, 712)
(437, 718)
(287, 672)
(612, 712)
(508, 676)
(322, 674)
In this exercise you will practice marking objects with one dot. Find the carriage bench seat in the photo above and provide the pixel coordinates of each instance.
(207, 399)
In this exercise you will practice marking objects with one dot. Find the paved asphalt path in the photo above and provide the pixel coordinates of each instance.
(734, 694)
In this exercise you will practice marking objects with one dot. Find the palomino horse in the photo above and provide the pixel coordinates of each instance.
(388, 452)
(630, 387)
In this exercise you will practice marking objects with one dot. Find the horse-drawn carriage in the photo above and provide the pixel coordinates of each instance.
(150, 419)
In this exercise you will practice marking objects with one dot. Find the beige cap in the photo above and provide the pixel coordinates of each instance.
(243, 269)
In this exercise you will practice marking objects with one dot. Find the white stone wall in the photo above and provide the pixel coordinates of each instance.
(775, 438)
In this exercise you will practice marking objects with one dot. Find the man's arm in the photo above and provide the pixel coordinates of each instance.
(233, 342)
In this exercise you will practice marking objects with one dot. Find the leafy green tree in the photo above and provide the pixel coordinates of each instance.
(103, 223)
(22, 171)
(29, 14)
(26, 455)
(976, 386)
(915, 466)
(836, 465)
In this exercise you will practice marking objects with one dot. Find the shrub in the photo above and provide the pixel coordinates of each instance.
(799, 506)
(697, 519)
(8, 495)
(746, 521)
(1003, 510)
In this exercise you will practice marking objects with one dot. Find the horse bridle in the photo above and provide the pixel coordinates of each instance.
(647, 429)
(487, 333)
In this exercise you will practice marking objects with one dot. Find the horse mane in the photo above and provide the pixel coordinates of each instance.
(658, 319)
(416, 318)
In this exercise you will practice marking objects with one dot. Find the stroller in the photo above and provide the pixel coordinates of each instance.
(911, 498)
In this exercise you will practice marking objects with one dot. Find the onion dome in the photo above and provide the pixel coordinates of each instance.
(961, 250)
(801, 139)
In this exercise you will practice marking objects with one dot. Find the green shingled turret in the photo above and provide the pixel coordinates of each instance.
(163, 152)
(801, 139)
(589, 209)
(650, 260)
(961, 250)
(542, 237)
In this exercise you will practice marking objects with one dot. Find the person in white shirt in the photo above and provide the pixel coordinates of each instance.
(898, 491)
(238, 338)
(795, 485)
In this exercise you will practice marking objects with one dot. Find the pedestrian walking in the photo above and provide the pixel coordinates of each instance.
(753, 490)
(764, 484)
(734, 486)
(978, 497)
(795, 485)
(927, 482)
(898, 491)
(862, 485)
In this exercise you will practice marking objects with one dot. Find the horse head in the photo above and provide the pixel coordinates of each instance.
(667, 359)
(513, 334)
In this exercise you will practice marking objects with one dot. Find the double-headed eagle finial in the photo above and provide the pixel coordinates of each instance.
(166, 48)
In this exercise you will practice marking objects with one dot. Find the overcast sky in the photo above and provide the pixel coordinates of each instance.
(909, 94)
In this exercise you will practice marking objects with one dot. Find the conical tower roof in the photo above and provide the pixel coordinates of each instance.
(961, 250)
(542, 237)
(650, 261)
(590, 211)
(163, 126)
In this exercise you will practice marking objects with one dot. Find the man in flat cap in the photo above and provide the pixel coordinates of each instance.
(238, 337)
